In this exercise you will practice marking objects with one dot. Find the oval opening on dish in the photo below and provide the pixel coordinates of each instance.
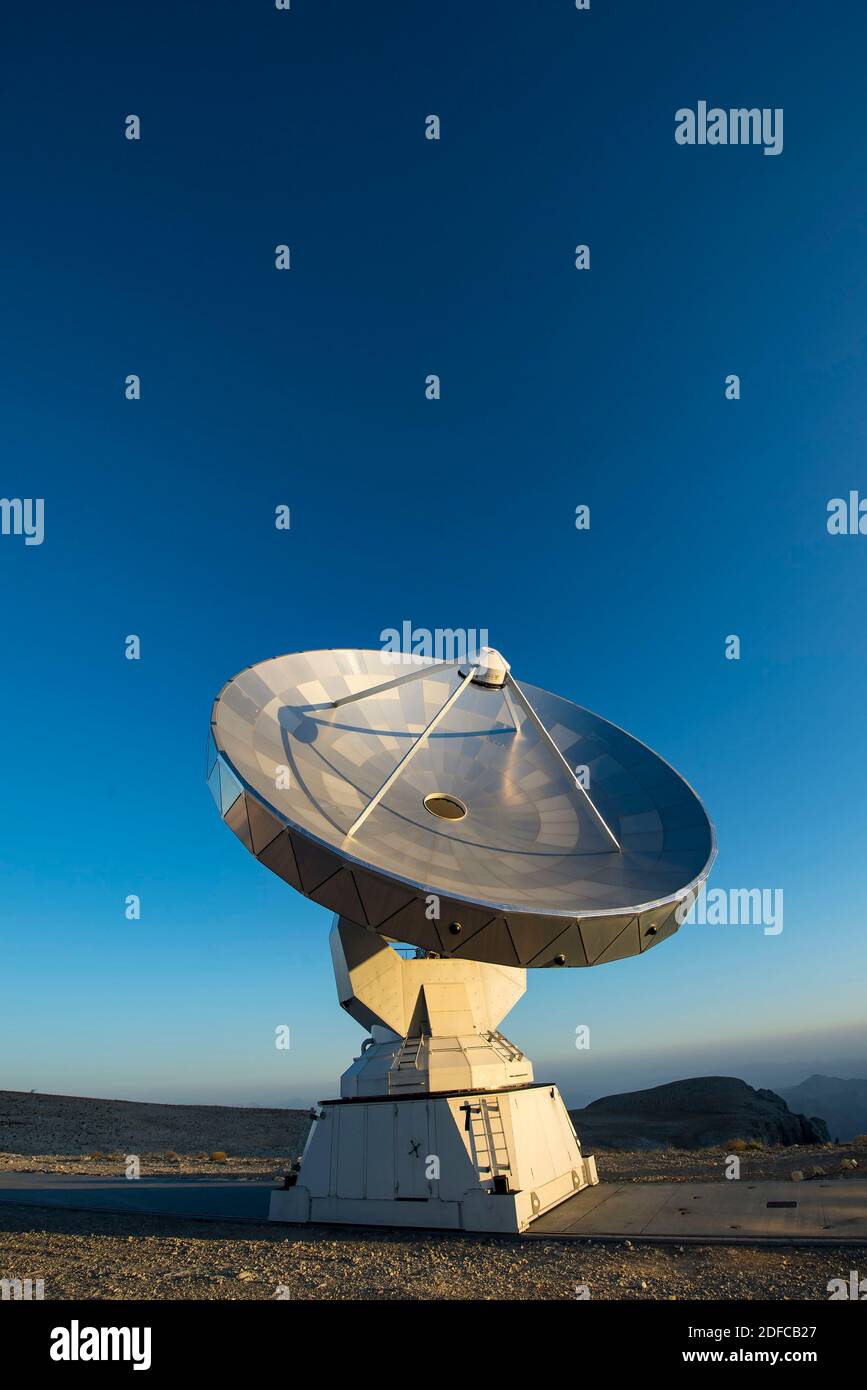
(444, 806)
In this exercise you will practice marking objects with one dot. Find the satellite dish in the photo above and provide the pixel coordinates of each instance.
(374, 782)
(489, 824)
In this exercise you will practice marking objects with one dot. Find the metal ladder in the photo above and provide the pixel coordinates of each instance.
(504, 1049)
(408, 1060)
(488, 1137)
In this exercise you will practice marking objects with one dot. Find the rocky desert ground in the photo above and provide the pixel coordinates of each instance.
(93, 1256)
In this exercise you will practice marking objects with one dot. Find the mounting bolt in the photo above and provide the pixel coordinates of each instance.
(455, 928)
(560, 960)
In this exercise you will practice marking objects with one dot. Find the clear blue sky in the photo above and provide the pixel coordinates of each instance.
(306, 387)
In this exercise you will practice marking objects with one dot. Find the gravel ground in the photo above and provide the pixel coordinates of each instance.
(615, 1165)
(33, 1124)
(110, 1257)
(103, 1256)
(709, 1165)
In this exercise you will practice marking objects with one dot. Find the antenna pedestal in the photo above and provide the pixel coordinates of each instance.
(439, 1122)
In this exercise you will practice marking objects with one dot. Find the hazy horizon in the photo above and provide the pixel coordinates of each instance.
(611, 1075)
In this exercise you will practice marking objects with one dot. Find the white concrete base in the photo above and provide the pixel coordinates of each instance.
(473, 1161)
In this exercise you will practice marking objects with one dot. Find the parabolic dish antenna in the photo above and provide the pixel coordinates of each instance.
(374, 782)
(489, 824)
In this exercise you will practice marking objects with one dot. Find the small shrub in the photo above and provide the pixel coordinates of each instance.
(218, 1157)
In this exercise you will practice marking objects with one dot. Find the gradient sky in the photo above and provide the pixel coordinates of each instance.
(307, 388)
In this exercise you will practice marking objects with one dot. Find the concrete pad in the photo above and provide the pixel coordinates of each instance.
(827, 1213)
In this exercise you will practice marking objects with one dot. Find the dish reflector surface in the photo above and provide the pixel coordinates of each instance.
(527, 876)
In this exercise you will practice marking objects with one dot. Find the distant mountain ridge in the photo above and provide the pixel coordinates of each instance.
(700, 1112)
(841, 1102)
